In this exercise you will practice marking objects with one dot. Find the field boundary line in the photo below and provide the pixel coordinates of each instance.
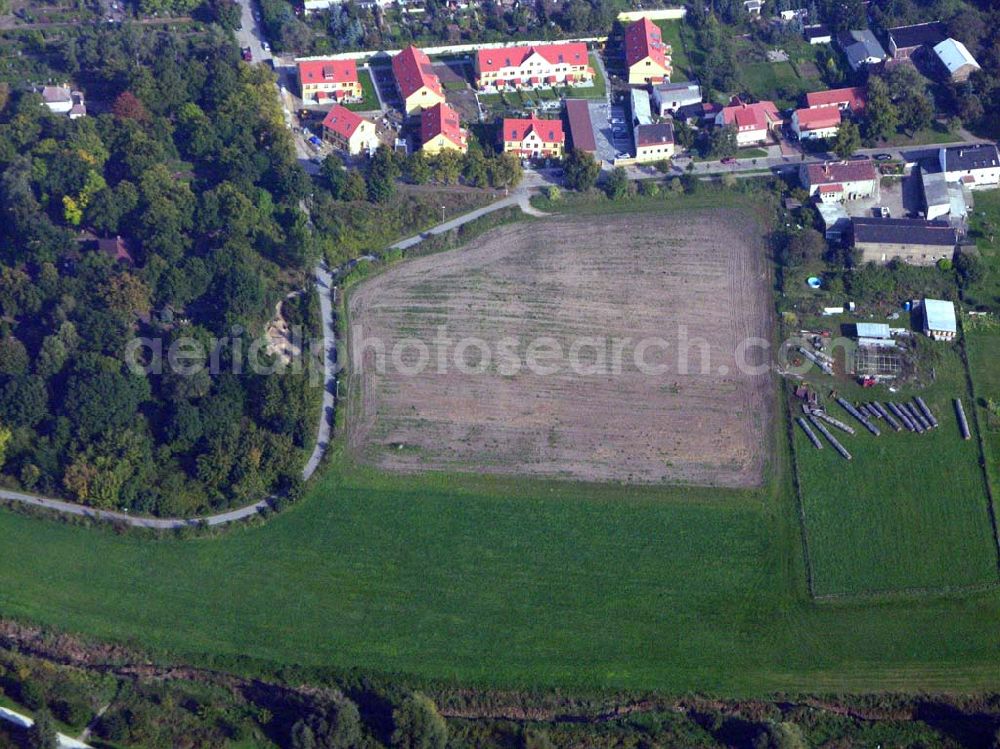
(970, 384)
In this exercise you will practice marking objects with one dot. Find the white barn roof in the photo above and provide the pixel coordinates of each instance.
(873, 330)
(940, 315)
(954, 55)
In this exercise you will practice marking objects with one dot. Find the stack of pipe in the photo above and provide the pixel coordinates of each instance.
(927, 412)
(833, 440)
(858, 415)
(809, 433)
(963, 423)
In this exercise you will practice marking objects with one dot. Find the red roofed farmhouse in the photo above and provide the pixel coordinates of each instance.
(821, 122)
(646, 54)
(349, 131)
(418, 84)
(329, 80)
(753, 122)
(531, 67)
(440, 130)
(852, 99)
(533, 138)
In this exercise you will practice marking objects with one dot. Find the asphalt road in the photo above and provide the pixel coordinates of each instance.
(250, 34)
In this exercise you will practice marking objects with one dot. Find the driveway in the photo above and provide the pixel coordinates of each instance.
(250, 34)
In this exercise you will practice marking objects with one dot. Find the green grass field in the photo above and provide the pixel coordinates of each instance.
(777, 81)
(513, 583)
(370, 100)
(673, 36)
(909, 512)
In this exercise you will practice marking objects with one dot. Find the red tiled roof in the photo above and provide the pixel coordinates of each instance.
(574, 53)
(854, 97)
(328, 71)
(818, 118)
(550, 131)
(342, 121)
(413, 71)
(441, 119)
(836, 172)
(654, 135)
(644, 39)
(757, 116)
(831, 188)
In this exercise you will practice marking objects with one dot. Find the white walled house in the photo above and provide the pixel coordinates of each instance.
(816, 123)
(975, 166)
(837, 181)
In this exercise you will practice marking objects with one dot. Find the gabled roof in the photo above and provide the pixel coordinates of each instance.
(581, 128)
(654, 135)
(574, 53)
(859, 45)
(854, 97)
(904, 231)
(441, 119)
(967, 158)
(342, 121)
(954, 55)
(644, 39)
(837, 172)
(516, 130)
(328, 71)
(918, 35)
(758, 116)
(412, 69)
(818, 118)
(56, 94)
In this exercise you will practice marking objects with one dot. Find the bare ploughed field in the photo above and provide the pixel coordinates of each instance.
(608, 281)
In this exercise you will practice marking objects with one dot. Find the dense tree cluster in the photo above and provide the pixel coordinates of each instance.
(192, 167)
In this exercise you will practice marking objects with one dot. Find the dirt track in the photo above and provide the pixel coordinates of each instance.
(571, 279)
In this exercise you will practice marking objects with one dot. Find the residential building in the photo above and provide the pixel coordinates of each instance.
(915, 241)
(79, 108)
(956, 59)
(329, 80)
(705, 112)
(813, 124)
(904, 41)
(837, 181)
(940, 321)
(646, 55)
(349, 131)
(753, 122)
(654, 142)
(531, 67)
(115, 248)
(861, 48)
(418, 84)
(533, 138)
(59, 99)
(818, 34)
(976, 166)
(942, 198)
(581, 127)
(669, 97)
(641, 114)
(852, 99)
(440, 130)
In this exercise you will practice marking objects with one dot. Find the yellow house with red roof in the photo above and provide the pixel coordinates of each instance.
(418, 84)
(349, 131)
(647, 56)
(329, 80)
(440, 130)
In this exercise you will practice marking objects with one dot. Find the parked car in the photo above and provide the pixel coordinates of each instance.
(316, 141)
(729, 160)
(883, 156)
(247, 54)
(263, 46)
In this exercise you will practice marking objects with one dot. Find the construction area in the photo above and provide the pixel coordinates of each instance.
(675, 292)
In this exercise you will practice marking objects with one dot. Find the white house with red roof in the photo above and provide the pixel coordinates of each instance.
(349, 131)
(851, 99)
(419, 86)
(440, 130)
(325, 80)
(531, 67)
(753, 122)
(533, 138)
(837, 181)
(647, 56)
(813, 124)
